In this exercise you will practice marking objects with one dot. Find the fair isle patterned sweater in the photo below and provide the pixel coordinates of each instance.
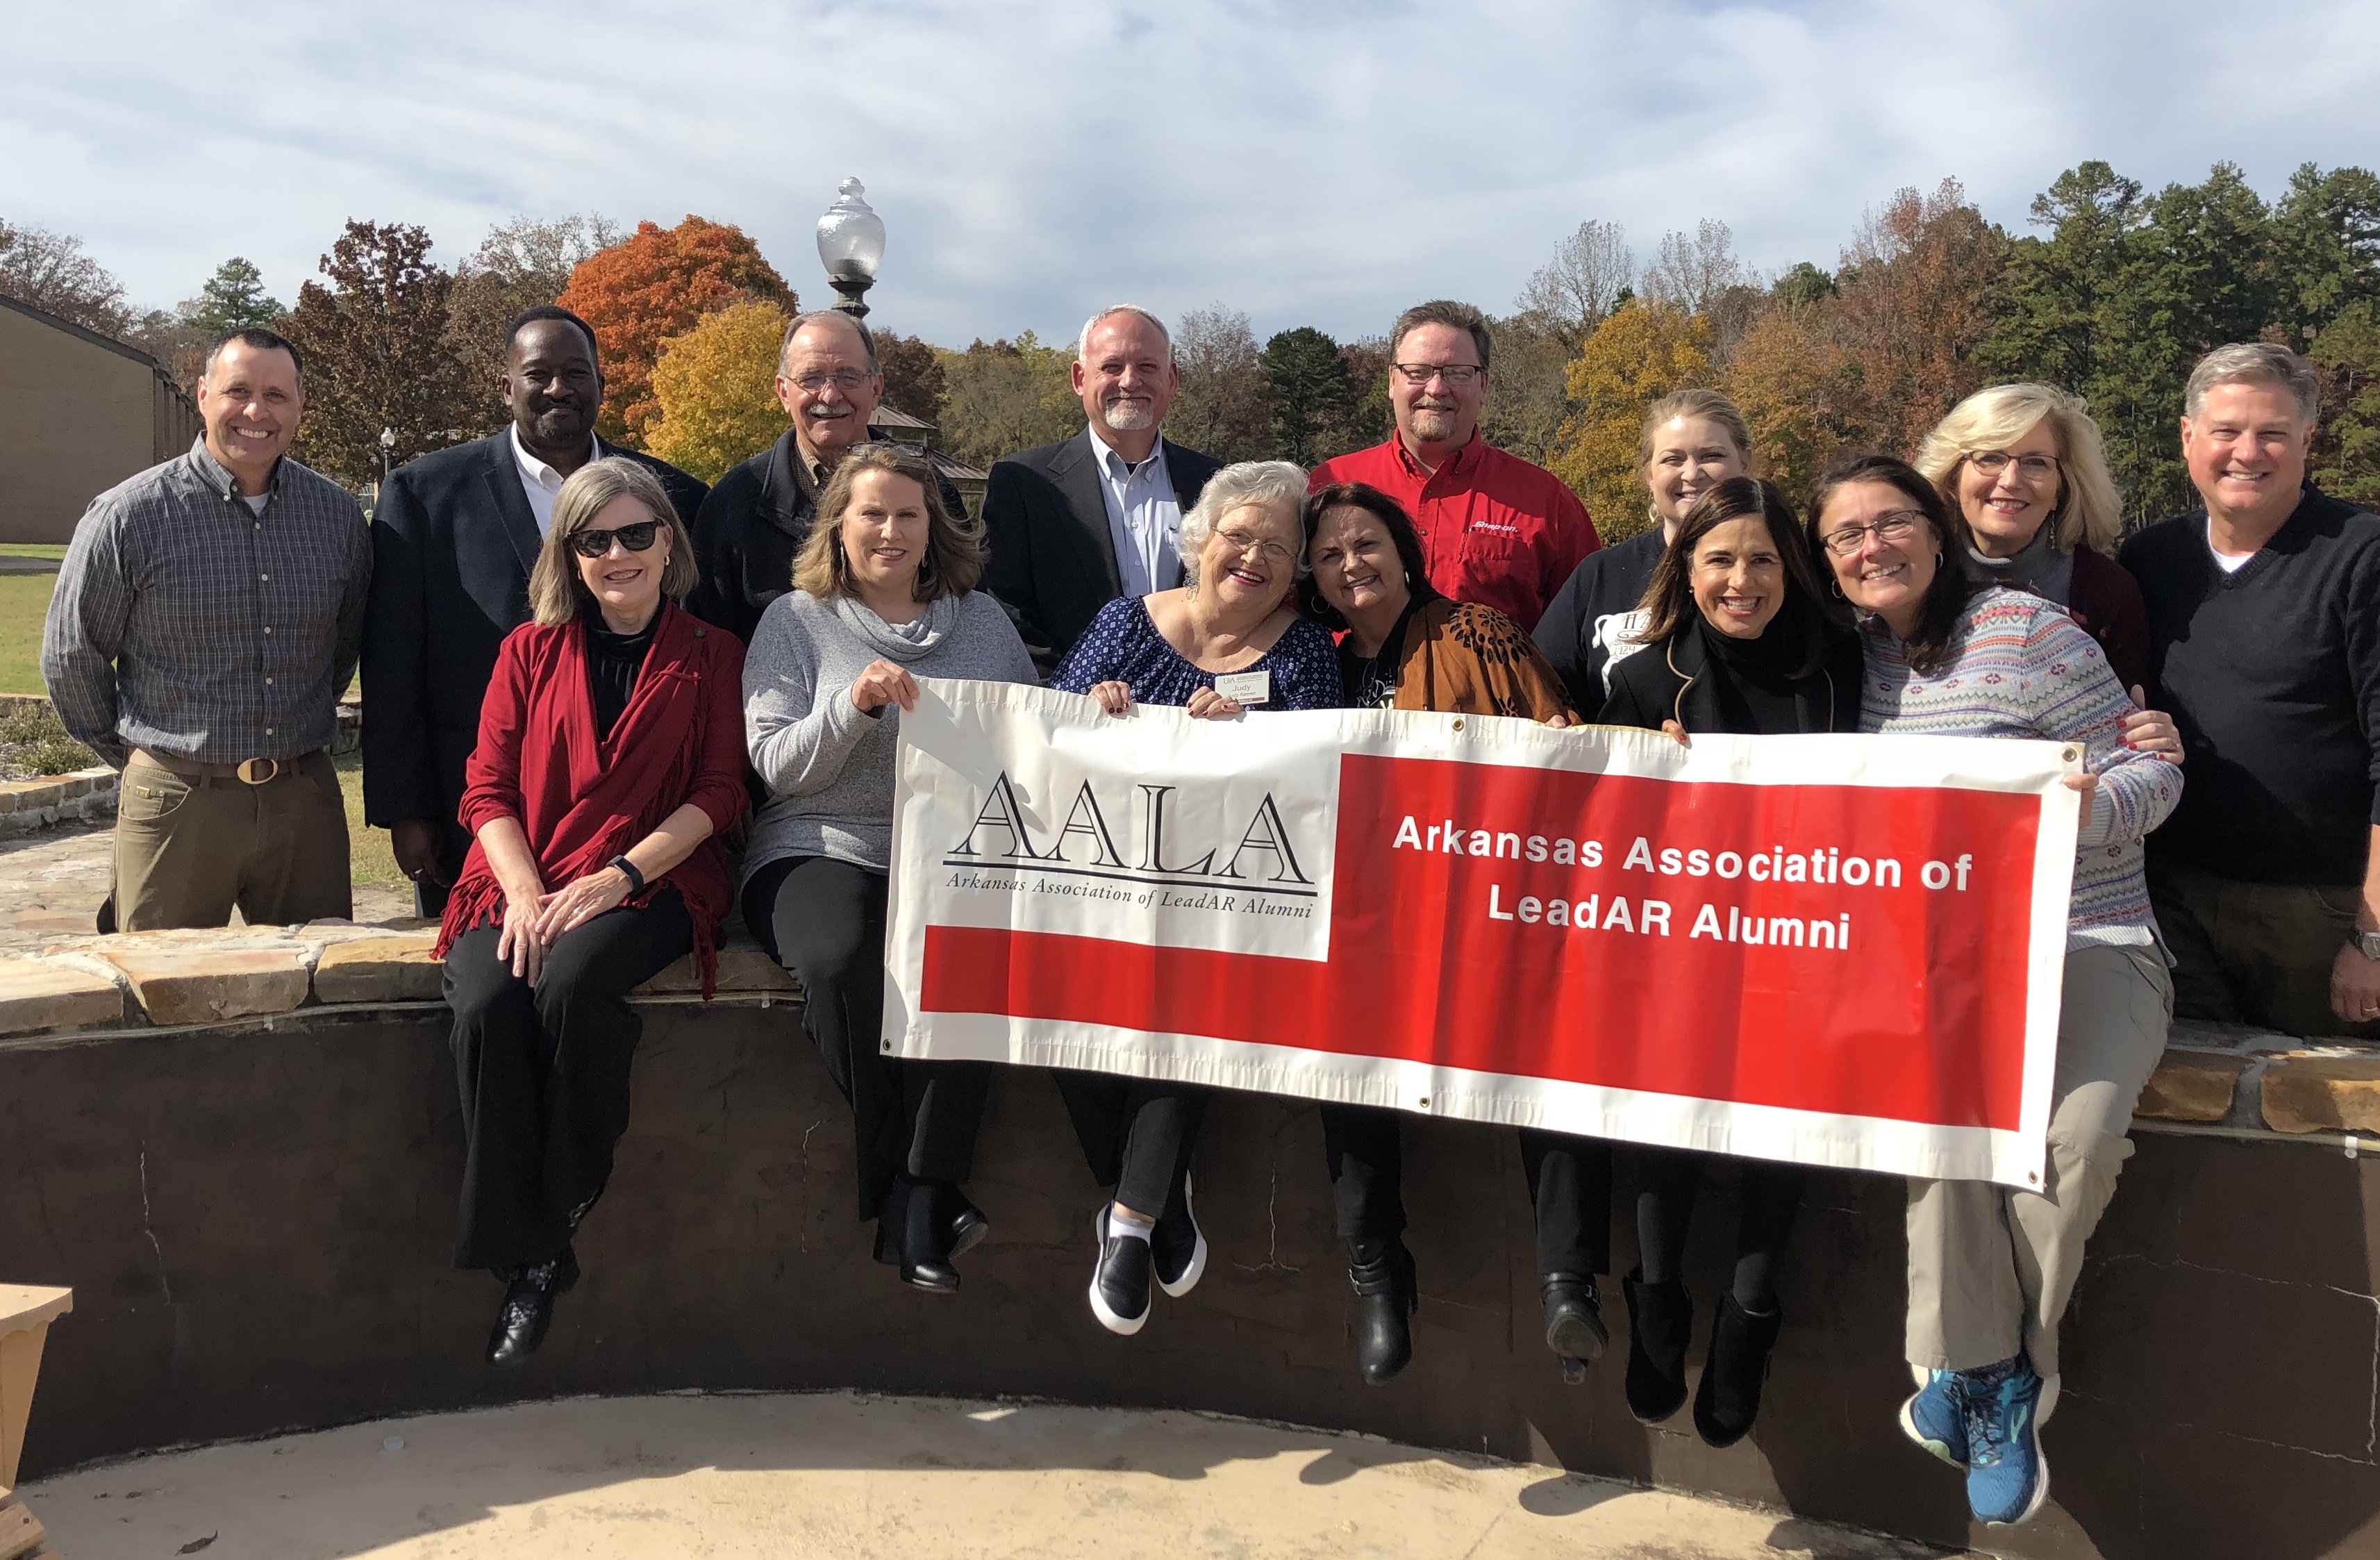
(2019, 667)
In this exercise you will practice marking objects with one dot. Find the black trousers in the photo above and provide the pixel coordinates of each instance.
(823, 920)
(1136, 1135)
(1570, 1187)
(544, 1073)
(1667, 1180)
(1364, 1147)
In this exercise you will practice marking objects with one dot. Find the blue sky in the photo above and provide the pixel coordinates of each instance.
(1321, 164)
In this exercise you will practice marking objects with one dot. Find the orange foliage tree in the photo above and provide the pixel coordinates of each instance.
(1640, 353)
(655, 285)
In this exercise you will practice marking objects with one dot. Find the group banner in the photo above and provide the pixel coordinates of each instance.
(1826, 949)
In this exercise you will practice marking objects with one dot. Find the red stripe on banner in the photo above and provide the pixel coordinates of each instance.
(1919, 1017)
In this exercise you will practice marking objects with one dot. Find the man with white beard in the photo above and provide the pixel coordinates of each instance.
(1077, 524)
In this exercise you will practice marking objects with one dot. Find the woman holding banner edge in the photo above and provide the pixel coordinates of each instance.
(1736, 641)
(883, 593)
(1228, 638)
(1406, 646)
(1991, 1268)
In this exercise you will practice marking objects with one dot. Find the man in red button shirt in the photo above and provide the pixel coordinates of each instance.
(1495, 529)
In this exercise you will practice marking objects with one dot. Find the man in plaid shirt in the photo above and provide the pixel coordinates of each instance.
(208, 615)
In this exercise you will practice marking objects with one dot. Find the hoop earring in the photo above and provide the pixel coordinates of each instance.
(1837, 587)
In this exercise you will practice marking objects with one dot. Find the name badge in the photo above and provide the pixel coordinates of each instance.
(1245, 688)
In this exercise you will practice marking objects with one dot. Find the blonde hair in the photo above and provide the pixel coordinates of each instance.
(1994, 418)
(1709, 405)
(955, 553)
(556, 595)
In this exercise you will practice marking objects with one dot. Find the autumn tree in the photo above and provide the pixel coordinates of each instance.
(1577, 290)
(376, 355)
(1641, 353)
(1912, 301)
(913, 380)
(1314, 397)
(52, 272)
(716, 388)
(522, 264)
(655, 285)
(1528, 398)
(1225, 406)
(1003, 396)
(1797, 387)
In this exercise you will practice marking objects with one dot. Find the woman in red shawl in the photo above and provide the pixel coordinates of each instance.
(610, 761)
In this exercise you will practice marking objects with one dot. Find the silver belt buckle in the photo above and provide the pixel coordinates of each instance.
(258, 772)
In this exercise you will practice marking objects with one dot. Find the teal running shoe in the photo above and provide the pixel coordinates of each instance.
(2007, 1479)
(1936, 1416)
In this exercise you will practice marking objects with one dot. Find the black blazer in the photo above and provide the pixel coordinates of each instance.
(453, 544)
(1054, 562)
(751, 526)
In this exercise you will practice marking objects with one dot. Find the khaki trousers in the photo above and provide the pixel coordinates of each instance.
(1992, 1267)
(2255, 953)
(189, 847)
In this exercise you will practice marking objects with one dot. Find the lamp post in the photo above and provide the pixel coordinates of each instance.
(387, 449)
(851, 243)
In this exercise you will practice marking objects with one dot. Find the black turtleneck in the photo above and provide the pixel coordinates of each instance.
(1747, 684)
(614, 663)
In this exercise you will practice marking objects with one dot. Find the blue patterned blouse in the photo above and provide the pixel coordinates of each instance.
(1123, 645)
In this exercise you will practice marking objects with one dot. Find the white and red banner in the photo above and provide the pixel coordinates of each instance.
(1834, 950)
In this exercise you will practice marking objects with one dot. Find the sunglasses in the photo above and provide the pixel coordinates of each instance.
(636, 537)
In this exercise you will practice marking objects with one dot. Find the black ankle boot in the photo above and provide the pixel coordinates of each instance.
(1386, 1295)
(1660, 1325)
(1575, 1327)
(527, 1309)
(1728, 1399)
(924, 1246)
(963, 1224)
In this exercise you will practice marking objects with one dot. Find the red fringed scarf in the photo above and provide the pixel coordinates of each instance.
(581, 803)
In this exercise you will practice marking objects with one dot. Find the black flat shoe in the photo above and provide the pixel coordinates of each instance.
(925, 1249)
(1728, 1399)
(1575, 1328)
(527, 1309)
(1387, 1293)
(1660, 1325)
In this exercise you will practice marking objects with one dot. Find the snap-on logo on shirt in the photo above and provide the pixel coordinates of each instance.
(1491, 525)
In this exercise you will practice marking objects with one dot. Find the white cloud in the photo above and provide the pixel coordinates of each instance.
(1307, 164)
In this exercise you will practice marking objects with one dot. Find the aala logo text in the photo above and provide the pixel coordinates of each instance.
(1085, 842)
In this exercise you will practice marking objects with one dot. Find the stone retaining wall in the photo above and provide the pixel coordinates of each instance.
(242, 1150)
(28, 806)
(2212, 1076)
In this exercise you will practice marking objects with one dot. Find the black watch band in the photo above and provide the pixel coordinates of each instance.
(628, 869)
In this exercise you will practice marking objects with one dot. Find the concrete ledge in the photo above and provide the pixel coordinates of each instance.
(2322, 1095)
(29, 806)
(207, 986)
(400, 967)
(2192, 1086)
(36, 996)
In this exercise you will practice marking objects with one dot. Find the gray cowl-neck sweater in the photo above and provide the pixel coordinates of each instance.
(829, 767)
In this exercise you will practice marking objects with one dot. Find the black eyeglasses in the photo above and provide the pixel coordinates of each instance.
(635, 537)
(1456, 374)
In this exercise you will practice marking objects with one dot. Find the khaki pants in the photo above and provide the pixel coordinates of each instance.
(1991, 1267)
(2254, 953)
(189, 847)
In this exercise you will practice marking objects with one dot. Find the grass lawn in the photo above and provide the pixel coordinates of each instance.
(32, 549)
(369, 855)
(24, 601)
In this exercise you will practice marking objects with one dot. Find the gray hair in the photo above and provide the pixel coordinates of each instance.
(1083, 342)
(825, 316)
(1274, 483)
(2256, 363)
(1445, 311)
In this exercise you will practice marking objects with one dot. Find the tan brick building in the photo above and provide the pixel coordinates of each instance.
(78, 413)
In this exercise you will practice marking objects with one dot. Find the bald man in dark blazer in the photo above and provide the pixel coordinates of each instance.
(454, 538)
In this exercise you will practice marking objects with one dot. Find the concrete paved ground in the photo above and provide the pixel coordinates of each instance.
(52, 883)
(788, 1477)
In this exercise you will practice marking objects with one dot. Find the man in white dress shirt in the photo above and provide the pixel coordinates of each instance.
(1077, 524)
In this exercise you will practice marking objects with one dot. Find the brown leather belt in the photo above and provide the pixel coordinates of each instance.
(248, 772)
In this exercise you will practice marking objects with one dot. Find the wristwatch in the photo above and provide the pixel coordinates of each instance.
(2365, 943)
